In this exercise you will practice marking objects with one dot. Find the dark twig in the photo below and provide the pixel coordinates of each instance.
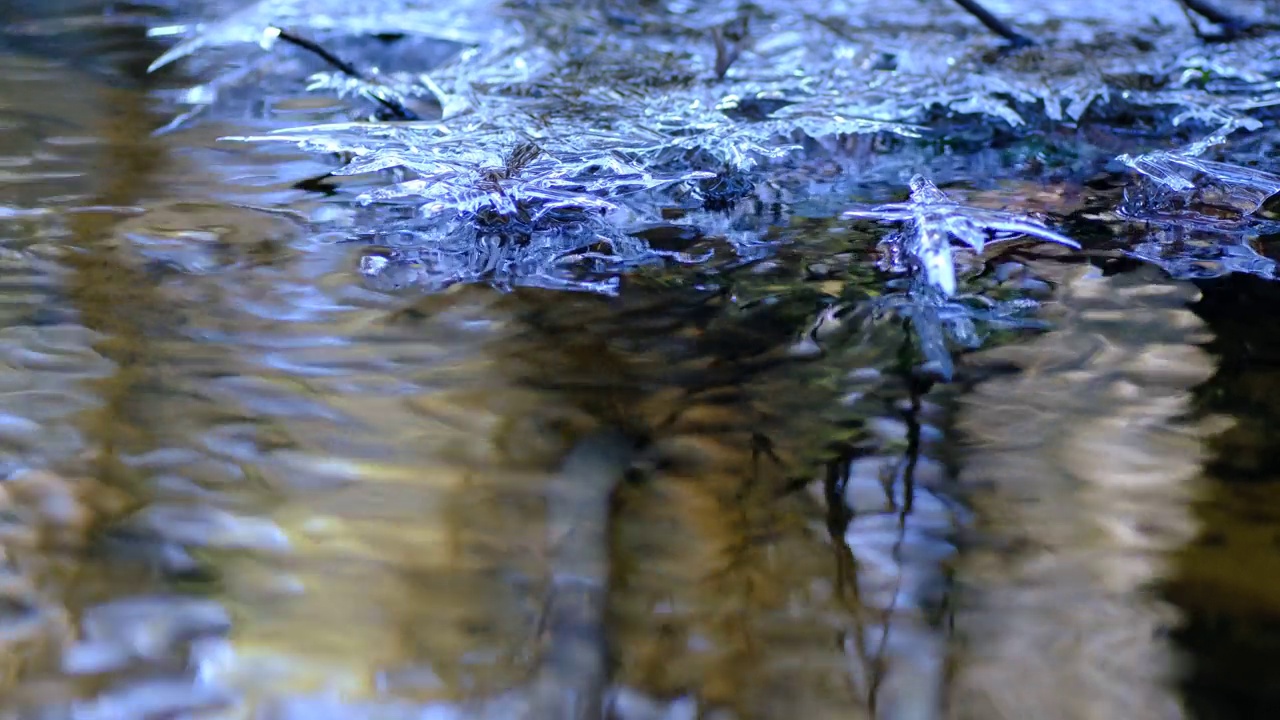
(1233, 26)
(995, 24)
(730, 39)
(311, 45)
(396, 108)
(1230, 24)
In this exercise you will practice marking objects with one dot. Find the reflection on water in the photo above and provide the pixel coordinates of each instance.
(1082, 472)
(238, 480)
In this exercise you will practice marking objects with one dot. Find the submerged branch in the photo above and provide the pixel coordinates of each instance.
(396, 108)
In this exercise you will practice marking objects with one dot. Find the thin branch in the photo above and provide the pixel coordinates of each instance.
(393, 106)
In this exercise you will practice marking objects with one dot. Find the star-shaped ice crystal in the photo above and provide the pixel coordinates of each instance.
(933, 219)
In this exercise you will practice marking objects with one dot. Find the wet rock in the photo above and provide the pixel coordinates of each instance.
(181, 487)
(874, 483)
(417, 679)
(1167, 363)
(864, 375)
(32, 485)
(168, 559)
(866, 489)
(330, 708)
(93, 658)
(928, 411)
(18, 530)
(1008, 270)
(30, 627)
(1034, 288)
(888, 430)
(64, 510)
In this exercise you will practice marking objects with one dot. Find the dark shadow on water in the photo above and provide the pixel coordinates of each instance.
(1227, 582)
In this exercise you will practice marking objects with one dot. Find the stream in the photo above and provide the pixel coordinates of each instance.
(278, 443)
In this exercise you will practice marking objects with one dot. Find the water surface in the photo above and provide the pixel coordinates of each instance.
(245, 479)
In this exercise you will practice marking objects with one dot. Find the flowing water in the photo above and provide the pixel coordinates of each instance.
(242, 479)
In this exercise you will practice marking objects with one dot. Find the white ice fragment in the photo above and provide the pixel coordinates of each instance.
(373, 265)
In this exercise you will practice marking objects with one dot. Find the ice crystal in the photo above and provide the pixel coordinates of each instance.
(938, 323)
(634, 106)
(508, 174)
(932, 220)
(1184, 184)
(586, 256)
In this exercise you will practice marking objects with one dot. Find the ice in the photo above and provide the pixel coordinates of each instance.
(473, 173)
(468, 22)
(637, 107)
(933, 220)
(1181, 182)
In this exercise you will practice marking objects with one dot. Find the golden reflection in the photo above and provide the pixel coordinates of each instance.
(110, 291)
(62, 501)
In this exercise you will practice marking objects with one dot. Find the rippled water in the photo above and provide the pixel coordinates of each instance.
(243, 480)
